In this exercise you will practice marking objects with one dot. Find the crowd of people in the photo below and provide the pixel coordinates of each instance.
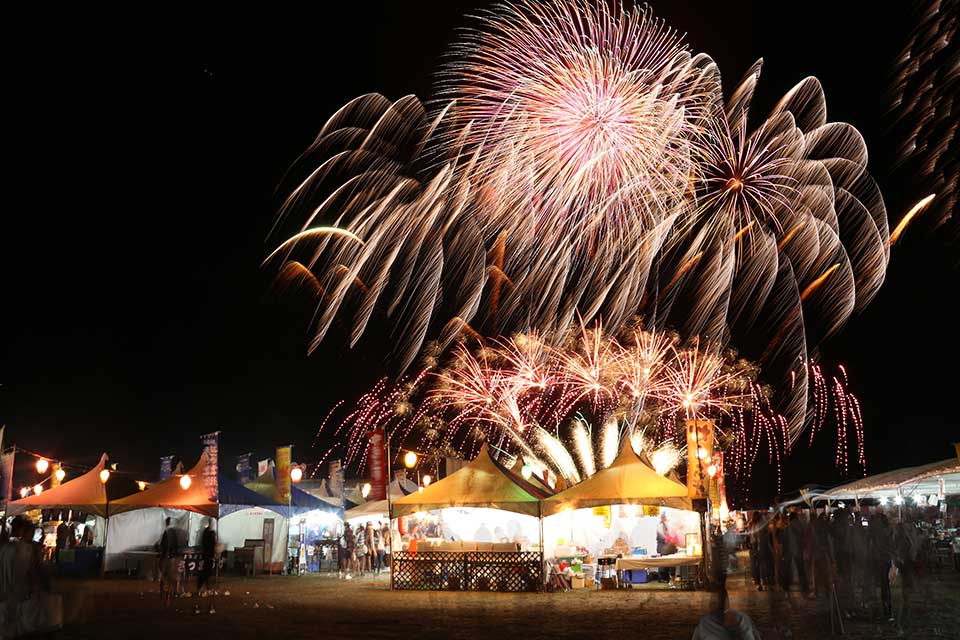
(363, 549)
(822, 554)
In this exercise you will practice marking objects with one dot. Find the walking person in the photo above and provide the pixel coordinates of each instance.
(169, 564)
(349, 544)
(208, 550)
(371, 546)
(880, 559)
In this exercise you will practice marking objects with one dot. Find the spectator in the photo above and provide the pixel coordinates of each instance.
(723, 623)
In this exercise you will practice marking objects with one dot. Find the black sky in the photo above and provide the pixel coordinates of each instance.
(143, 156)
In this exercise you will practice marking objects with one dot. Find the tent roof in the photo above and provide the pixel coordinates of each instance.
(921, 480)
(265, 486)
(628, 480)
(482, 483)
(168, 493)
(398, 489)
(85, 493)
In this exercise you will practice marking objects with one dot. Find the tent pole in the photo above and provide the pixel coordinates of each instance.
(386, 446)
(543, 557)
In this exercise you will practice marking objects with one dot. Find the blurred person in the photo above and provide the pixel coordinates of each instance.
(755, 539)
(379, 547)
(821, 554)
(880, 559)
(63, 537)
(906, 547)
(170, 578)
(371, 546)
(723, 623)
(350, 545)
(796, 560)
(664, 533)
(208, 550)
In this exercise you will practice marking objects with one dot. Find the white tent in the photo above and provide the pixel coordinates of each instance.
(909, 482)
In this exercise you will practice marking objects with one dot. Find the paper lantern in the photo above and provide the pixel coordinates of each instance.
(410, 460)
(104, 475)
(296, 474)
(185, 482)
(42, 465)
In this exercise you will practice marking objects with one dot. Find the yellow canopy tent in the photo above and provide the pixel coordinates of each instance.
(85, 493)
(482, 483)
(628, 480)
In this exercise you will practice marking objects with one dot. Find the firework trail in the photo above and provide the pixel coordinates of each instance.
(925, 108)
(583, 164)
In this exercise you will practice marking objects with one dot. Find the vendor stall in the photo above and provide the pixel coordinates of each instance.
(468, 496)
(87, 495)
(625, 517)
(138, 521)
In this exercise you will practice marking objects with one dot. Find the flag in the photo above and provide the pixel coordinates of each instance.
(283, 474)
(6, 473)
(244, 470)
(263, 466)
(211, 444)
(166, 467)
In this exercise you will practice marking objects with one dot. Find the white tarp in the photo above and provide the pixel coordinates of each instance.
(140, 530)
(247, 524)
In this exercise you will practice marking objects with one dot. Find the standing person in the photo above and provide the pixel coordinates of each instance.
(371, 546)
(349, 543)
(765, 551)
(797, 559)
(753, 536)
(821, 555)
(378, 542)
(663, 535)
(208, 550)
(387, 540)
(169, 564)
(880, 558)
(63, 537)
(906, 546)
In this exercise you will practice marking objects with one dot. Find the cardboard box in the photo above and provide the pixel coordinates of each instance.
(576, 583)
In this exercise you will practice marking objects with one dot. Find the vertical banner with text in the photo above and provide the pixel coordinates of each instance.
(211, 444)
(699, 453)
(283, 474)
(376, 465)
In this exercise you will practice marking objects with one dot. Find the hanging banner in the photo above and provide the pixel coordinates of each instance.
(699, 452)
(282, 460)
(6, 474)
(211, 444)
(166, 467)
(244, 468)
(376, 465)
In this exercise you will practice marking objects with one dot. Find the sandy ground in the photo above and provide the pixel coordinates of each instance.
(325, 607)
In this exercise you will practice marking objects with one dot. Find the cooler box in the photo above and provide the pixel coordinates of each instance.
(636, 576)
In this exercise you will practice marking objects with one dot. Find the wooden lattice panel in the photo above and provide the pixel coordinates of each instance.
(513, 571)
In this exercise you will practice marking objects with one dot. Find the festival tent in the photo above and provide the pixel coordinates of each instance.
(628, 480)
(374, 509)
(482, 483)
(909, 482)
(85, 493)
(138, 521)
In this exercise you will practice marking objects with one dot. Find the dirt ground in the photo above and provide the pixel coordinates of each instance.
(322, 606)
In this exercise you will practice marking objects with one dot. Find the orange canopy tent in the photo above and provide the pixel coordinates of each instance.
(628, 480)
(85, 493)
(170, 494)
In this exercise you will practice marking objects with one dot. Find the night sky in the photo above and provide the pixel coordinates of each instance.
(144, 153)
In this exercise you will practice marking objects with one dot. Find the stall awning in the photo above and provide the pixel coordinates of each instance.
(628, 480)
(85, 493)
(909, 481)
(482, 483)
